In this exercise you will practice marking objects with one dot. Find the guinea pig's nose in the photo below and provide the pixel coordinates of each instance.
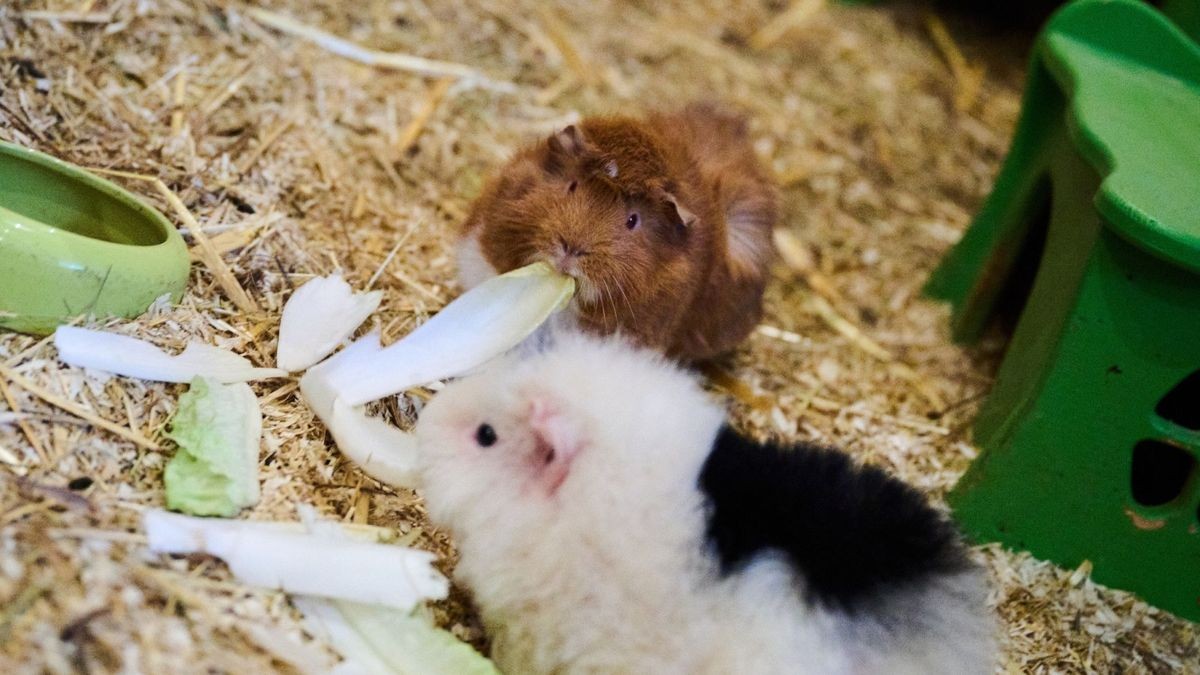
(565, 257)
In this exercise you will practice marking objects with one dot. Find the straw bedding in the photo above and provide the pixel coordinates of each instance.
(885, 127)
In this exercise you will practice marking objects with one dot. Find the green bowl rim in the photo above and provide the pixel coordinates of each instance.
(79, 174)
(141, 272)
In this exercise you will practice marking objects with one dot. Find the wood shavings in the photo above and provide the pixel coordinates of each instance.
(792, 18)
(68, 17)
(371, 57)
(565, 43)
(408, 138)
(800, 260)
(268, 138)
(848, 330)
(784, 335)
(232, 240)
(725, 381)
(967, 77)
(25, 429)
(223, 94)
(797, 257)
(78, 410)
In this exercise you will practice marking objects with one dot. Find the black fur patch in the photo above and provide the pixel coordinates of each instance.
(853, 532)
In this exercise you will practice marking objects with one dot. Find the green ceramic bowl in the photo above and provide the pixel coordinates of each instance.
(72, 243)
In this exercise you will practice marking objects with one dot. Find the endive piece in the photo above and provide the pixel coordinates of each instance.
(481, 324)
(317, 318)
(132, 357)
(269, 555)
(382, 451)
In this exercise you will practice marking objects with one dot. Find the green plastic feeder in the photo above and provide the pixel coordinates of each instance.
(72, 244)
(1091, 239)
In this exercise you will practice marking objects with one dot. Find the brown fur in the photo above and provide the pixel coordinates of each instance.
(689, 278)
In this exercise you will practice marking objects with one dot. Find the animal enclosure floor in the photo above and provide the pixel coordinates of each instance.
(885, 127)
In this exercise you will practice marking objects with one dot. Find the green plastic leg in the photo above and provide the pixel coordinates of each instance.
(1033, 347)
(977, 270)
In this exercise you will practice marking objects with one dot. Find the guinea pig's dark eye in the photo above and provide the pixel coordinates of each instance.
(633, 220)
(485, 435)
(572, 186)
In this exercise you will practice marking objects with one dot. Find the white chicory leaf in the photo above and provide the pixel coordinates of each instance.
(386, 641)
(317, 318)
(481, 324)
(215, 470)
(131, 357)
(270, 556)
(382, 451)
(316, 386)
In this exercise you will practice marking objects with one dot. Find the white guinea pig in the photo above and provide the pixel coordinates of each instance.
(608, 521)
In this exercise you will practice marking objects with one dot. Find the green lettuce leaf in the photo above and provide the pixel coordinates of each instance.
(215, 470)
(384, 640)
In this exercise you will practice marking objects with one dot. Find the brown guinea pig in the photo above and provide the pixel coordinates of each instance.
(665, 223)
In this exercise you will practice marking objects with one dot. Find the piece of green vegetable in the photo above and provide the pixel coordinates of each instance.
(383, 640)
(215, 470)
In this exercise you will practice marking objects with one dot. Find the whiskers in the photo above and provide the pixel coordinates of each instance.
(626, 274)
(610, 295)
(603, 299)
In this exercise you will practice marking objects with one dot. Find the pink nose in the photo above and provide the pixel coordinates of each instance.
(565, 258)
(565, 263)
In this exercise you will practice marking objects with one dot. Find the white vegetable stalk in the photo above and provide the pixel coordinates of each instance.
(269, 556)
(317, 318)
(382, 451)
(131, 357)
(481, 324)
(316, 386)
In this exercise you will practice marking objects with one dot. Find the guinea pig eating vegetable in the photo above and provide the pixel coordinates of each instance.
(664, 222)
(608, 521)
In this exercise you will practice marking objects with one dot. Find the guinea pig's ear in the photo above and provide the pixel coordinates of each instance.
(566, 148)
(679, 214)
(569, 141)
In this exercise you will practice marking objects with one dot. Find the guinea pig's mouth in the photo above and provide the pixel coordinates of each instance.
(587, 294)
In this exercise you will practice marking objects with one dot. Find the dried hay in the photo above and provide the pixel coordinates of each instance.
(288, 161)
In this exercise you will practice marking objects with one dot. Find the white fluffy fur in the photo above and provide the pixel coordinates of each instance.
(610, 573)
(473, 267)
